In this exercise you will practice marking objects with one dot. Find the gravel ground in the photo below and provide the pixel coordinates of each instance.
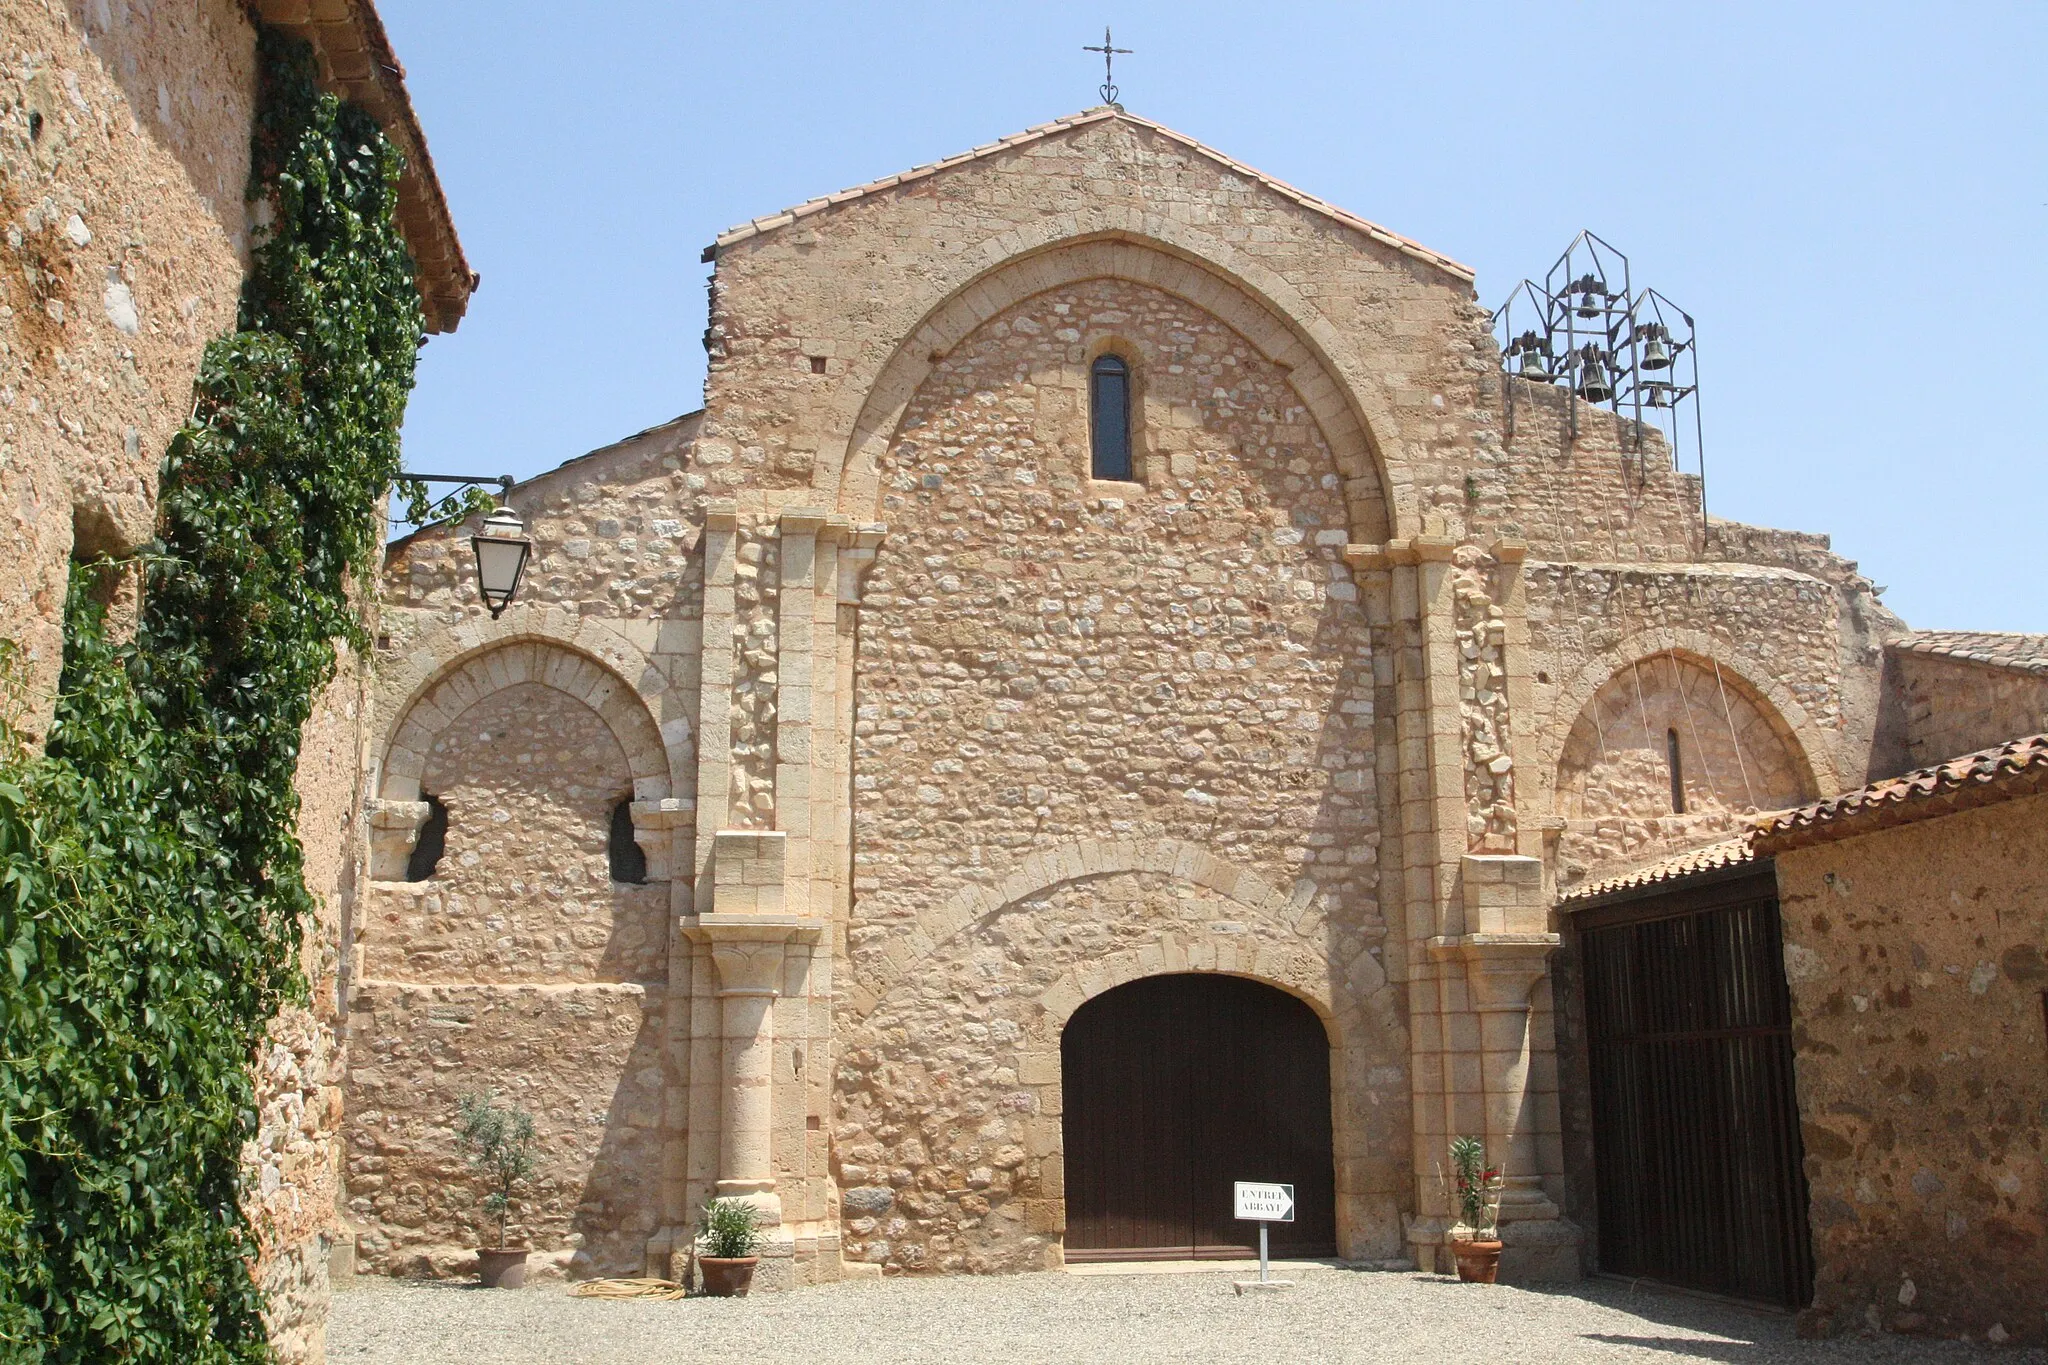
(1334, 1315)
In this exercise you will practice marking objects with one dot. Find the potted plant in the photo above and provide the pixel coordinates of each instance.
(499, 1144)
(1478, 1194)
(728, 1246)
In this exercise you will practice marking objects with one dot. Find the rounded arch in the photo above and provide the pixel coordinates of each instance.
(1804, 741)
(1083, 858)
(441, 697)
(1352, 409)
(1293, 969)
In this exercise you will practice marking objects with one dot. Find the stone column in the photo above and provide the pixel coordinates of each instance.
(750, 941)
(1505, 955)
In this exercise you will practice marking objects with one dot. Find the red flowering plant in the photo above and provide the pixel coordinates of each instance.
(1478, 1188)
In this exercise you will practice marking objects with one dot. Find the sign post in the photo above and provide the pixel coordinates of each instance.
(1263, 1203)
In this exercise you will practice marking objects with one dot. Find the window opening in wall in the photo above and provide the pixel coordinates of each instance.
(629, 862)
(817, 364)
(1109, 414)
(432, 843)
(1677, 773)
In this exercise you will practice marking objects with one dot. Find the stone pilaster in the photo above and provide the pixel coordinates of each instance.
(1473, 926)
(796, 696)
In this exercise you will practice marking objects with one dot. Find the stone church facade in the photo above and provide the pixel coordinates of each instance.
(849, 736)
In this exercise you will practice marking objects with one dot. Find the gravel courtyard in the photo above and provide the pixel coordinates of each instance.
(1334, 1315)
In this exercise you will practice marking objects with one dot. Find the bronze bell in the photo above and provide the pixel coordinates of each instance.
(1655, 354)
(1535, 364)
(1594, 385)
(1593, 300)
(1656, 394)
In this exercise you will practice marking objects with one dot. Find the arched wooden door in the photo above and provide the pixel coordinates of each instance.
(1178, 1086)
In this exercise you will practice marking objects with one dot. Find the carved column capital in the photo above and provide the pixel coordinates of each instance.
(1500, 969)
(750, 949)
(394, 831)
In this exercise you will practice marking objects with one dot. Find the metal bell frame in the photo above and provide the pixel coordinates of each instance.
(1631, 351)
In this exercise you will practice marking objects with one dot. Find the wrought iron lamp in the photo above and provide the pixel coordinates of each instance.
(501, 549)
(501, 545)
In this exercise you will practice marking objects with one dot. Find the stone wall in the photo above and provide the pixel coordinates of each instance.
(1736, 757)
(522, 901)
(124, 150)
(1802, 684)
(1952, 706)
(1915, 957)
(519, 965)
(1047, 661)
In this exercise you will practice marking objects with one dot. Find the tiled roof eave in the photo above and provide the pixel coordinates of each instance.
(357, 63)
(2018, 768)
(1713, 862)
(2014, 653)
(1385, 236)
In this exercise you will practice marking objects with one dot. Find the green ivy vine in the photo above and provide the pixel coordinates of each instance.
(151, 888)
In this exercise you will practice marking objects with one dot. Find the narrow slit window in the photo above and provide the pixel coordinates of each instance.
(628, 861)
(1109, 413)
(1677, 772)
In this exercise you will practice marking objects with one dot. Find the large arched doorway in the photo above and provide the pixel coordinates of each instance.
(1177, 1086)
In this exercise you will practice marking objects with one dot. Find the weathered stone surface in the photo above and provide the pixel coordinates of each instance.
(1917, 976)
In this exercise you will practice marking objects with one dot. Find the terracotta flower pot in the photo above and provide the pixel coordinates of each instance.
(727, 1277)
(502, 1267)
(1478, 1262)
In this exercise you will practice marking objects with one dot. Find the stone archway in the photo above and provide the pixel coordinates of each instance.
(491, 668)
(443, 688)
(1669, 751)
(1771, 698)
(1355, 416)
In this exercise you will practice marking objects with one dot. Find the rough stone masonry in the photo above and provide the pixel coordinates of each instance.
(929, 737)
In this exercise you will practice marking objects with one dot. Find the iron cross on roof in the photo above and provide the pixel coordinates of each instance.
(1109, 53)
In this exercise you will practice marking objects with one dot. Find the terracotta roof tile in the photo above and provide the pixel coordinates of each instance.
(1712, 858)
(1996, 648)
(1099, 114)
(2016, 768)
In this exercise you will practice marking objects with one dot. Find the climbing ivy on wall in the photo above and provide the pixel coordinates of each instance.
(151, 888)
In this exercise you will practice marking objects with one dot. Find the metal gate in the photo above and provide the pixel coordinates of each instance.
(1695, 1119)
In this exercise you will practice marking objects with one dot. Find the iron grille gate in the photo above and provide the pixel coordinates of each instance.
(1695, 1120)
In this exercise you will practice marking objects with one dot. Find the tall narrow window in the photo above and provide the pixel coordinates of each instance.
(628, 861)
(1677, 773)
(1109, 416)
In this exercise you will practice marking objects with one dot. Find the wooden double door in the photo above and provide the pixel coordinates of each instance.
(1178, 1086)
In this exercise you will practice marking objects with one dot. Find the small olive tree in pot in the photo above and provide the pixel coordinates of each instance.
(728, 1247)
(499, 1143)
(1477, 1187)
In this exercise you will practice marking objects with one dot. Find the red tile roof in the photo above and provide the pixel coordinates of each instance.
(1712, 858)
(1996, 648)
(1100, 114)
(2016, 768)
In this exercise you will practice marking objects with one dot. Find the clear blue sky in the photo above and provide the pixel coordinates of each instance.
(1851, 199)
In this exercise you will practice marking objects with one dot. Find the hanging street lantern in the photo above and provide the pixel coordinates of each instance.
(501, 550)
(500, 545)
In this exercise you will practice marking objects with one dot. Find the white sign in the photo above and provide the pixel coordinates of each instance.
(1259, 1203)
